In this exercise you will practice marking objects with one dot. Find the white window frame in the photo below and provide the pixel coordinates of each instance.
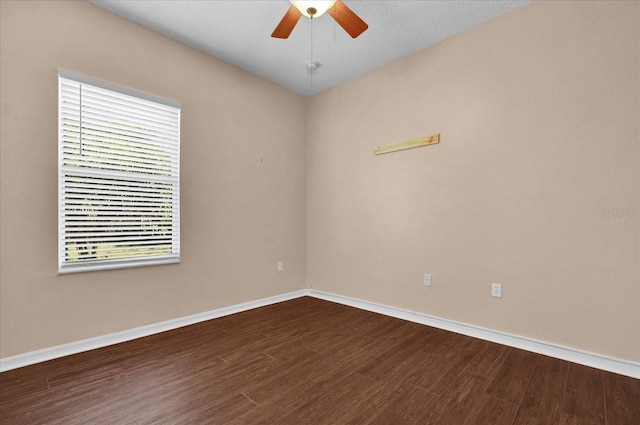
(118, 176)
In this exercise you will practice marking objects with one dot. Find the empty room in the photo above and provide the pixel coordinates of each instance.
(336, 212)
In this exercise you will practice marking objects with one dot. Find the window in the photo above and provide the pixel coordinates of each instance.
(118, 176)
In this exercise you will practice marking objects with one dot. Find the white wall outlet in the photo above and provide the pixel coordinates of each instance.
(281, 266)
(427, 279)
(496, 290)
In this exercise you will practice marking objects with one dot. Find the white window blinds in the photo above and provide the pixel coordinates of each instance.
(119, 177)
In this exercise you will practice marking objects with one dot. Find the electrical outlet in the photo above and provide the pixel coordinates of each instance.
(496, 290)
(427, 279)
(280, 266)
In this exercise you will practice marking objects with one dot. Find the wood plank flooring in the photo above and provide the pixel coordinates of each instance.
(308, 361)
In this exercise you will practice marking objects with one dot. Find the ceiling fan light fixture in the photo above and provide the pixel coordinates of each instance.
(320, 6)
(349, 21)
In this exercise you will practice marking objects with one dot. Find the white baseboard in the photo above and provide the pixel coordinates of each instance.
(45, 354)
(599, 361)
(611, 364)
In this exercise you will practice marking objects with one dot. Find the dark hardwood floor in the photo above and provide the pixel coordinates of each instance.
(308, 361)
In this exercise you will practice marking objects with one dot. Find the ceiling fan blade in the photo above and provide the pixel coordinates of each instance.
(288, 22)
(348, 20)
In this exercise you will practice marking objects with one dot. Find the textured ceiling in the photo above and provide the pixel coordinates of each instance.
(239, 32)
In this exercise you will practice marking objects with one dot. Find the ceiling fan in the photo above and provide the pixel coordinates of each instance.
(344, 16)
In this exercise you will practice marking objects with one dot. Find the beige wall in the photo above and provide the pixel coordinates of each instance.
(243, 179)
(538, 113)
